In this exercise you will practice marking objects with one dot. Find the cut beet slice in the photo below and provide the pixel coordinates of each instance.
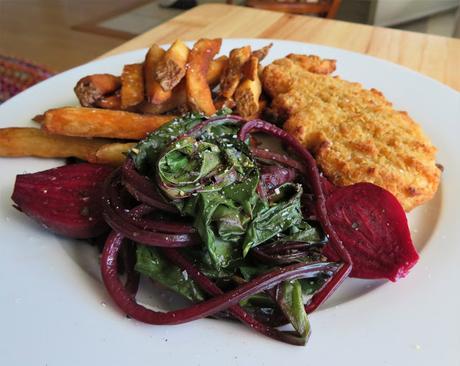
(66, 200)
(373, 227)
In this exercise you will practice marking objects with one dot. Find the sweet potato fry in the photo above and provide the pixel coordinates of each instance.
(153, 90)
(248, 92)
(171, 68)
(91, 88)
(36, 142)
(199, 95)
(112, 154)
(232, 74)
(91, 122)
(132, 85)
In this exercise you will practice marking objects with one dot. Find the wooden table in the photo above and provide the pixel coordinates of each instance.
(435, 56)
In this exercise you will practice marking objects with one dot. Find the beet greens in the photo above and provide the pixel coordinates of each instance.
(239, 231)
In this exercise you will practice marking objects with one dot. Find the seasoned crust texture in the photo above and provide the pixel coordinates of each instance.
(354, 133)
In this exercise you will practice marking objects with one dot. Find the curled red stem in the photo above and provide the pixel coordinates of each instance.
(126, 302)
(313, 177)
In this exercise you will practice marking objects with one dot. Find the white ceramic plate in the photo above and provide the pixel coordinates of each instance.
(55, 311)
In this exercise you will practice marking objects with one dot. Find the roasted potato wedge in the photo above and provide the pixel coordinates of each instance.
(263, 52)
(248, 92)
(199, 96)
(179, 95)
(39, 118)
(155, 94)
(177, 100)
(92, 122)
(250, 69)
(110, 102)
(221, 102)
(132, 85)
(36, 142)
(215, 71)
(113, 153)
(232, 74)
(171, 68)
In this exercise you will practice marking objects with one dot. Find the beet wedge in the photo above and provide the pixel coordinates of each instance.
(373, 228)
(66, 200)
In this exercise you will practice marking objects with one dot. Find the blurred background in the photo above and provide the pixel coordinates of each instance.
(60, 34)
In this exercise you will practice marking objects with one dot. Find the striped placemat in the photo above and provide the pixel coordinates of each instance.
(17, 75)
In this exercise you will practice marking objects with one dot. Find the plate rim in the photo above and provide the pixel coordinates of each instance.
(124, 54)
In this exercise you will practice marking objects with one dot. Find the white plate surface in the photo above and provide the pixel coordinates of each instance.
(54, 309)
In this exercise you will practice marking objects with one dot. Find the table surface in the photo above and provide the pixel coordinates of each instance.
(434, 56)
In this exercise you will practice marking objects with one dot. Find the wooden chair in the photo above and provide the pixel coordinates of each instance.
(324, 8)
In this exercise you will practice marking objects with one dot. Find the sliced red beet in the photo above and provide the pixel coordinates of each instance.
(373, 228)
(66, 200)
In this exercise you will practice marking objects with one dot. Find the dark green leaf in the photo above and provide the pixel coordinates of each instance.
(311, 285)
(249, 272)
(145, 154)
(152, 264)
(219, 234)
(290, 299)
(302, 232)
(258, 300)
(272, 219)
(189, 166)
(211, 175)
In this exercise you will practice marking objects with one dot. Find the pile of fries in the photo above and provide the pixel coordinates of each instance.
(117, 111)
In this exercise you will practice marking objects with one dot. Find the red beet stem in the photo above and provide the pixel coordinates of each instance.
(136, 216)
(109, 270)
(123, 225)
(273, 176)
(279, 158)
(329, 288)
(236, 310)
(215, 120)
(281, 253)
(142, 188)
(129, 263)
(313, 177)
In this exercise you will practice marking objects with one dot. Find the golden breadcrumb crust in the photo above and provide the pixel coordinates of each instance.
(354, 133)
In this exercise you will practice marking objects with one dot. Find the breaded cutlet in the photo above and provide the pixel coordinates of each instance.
(354, 133)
